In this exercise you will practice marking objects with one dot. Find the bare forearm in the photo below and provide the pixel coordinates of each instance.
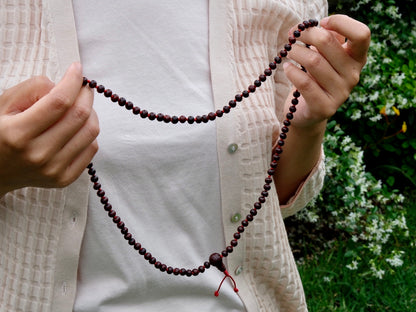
(302, 151)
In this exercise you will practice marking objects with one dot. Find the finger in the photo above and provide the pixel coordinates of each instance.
(357, 33)
(311, 92)
(76, 154)
(20, 97)
(330, 47)
(53, 106)
(318, 68)
(57, 136)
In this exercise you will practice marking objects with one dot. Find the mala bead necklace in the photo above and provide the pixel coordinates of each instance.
(215, 259)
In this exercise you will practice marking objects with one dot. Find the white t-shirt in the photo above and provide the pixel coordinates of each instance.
(161, 179)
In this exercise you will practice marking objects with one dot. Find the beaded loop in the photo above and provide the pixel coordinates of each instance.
(216, 258)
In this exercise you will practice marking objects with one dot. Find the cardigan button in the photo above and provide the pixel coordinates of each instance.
(236, 217)
(232, 148)
(238, 270)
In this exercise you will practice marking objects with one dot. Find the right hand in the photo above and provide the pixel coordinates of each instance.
(47, 132)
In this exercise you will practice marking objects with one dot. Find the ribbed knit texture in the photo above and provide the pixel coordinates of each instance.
(29, 229)
(270, 269)
(31, 220)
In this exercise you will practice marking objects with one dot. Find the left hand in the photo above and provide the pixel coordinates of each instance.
(333, 67)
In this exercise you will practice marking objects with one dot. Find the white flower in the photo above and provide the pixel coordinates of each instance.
(327, 279)
(396, 260)
(353, 265)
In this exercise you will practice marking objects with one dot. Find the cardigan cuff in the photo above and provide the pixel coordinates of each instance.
(307, 190)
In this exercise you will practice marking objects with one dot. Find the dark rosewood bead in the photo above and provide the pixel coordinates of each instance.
(245, 94)
(129, 105)
(175, 119)
(100, 89)
(144, 113)
(267, 187)
(93, 84)
(108, 207)
(268, 72)
(121, 225)
(288, 47)
(125, 230)
(244, 223)
(240, 229)
(167, 118)
(285, 129)
(191, 119)
(163, 268)
(224, 253)
(116, 219)
(104, 200)
(301, 27)
(96, 186)
(238, 98)
(229, 249)
(112, 213)
(100, 193)
(253, 212)
(182, 272)
(176, 271)
(237, 235)
(137, 246)
(216, 260)
(296, 33)
(114, 98)
(142, 251)
(307, 24)
(158, 264)
(226, 109)
(273, 165)
(257, 205)
(283, 136)
(278, 59)
(151, 116)
(136, 110)
(262, 78)
(132, 241)
(169, 270)
(205, 118)
(249, 218)
(278, 150)
(272, 65)
(182, 119)
(152, 260)
(160, 117)
(207, 265)
(280, 142)
(198, 119)
(264, 194)
(195, 272)
(283, 53)
(234, 243)
(122, 101)
(296, 94)
(251, 88)
(189, 272)
(108, 93)
(91, 171)
(295, 101)
(292, 40)
(219, 113)
(201, 269)
(286, 123)
(262, 200)
(268, 180)
(257, 83)
(232, 103)
(94, 179)
(289, 116)
(292, 109)
(212, 116)
(127, 236)
(84, 81)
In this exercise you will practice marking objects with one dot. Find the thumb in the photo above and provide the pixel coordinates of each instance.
(23, 95)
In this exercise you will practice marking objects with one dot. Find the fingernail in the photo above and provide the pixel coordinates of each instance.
(324, 21)
(285, 65)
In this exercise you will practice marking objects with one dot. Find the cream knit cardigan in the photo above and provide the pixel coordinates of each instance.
(41, 230)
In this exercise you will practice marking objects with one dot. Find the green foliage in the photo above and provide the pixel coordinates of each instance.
(370, 151)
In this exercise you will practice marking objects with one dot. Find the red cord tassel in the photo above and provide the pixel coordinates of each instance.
(217, 292)
(216, 260)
